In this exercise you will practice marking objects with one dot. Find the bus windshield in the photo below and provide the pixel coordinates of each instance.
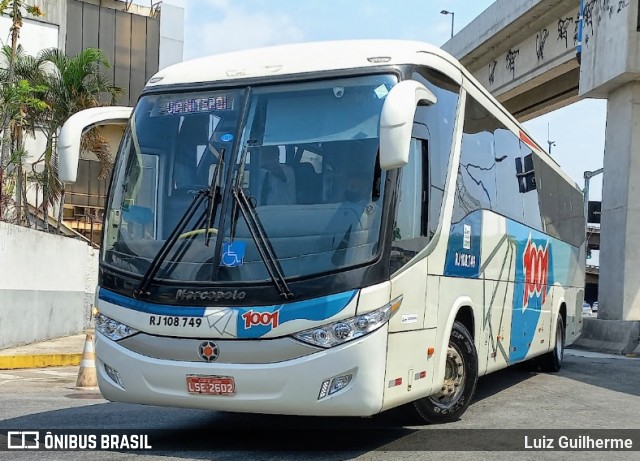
(304, 155)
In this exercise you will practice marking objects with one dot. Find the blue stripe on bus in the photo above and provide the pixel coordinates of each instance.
(320, 308)
(315, 309)
(463, 249)
(150, 308)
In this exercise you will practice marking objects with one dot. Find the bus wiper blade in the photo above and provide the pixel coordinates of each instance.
(214, 197)
(262, 242)
(149, 275)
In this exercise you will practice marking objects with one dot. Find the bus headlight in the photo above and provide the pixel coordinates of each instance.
(340, 332)
(113, 329)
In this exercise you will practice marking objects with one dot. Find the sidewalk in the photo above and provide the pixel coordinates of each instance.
(57, 352)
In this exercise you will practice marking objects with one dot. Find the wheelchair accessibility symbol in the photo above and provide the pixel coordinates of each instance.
(233, 254)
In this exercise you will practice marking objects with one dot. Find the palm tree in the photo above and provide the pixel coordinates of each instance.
(73, 84)
(15, 9)
(23, 110)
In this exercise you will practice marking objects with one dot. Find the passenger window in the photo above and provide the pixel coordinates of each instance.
(508, 180)
(497, 171)
(476, 184)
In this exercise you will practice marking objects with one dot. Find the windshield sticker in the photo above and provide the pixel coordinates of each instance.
(196, 105)
(233, 254)
(381, 91)
(227, 137)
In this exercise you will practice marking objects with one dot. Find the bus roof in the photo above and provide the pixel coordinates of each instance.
(298, 58)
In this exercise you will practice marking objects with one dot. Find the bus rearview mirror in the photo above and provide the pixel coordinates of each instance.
(72, 131)
(396, 121)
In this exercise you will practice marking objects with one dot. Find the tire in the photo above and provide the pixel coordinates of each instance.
(551, 362)
(462, 368)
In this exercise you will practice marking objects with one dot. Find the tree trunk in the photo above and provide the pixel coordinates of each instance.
(45, 183)
(25, 202)
(60, 210)
(19, 195)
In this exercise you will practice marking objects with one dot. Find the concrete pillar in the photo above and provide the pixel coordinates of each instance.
(619, 292)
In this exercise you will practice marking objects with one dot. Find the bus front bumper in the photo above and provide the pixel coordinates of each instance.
(291, 387)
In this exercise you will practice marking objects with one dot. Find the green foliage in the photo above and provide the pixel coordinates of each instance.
(47, 90)
(7, 7)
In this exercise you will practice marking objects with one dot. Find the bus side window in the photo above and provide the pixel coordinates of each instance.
(438, 120)
(411, 212)
(476, 184)
(509, 191)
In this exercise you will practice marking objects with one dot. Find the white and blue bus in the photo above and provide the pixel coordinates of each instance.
(332, 228)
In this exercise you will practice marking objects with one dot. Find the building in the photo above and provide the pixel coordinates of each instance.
(137, 38)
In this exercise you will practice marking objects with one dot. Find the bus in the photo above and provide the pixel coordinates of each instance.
(330, 229)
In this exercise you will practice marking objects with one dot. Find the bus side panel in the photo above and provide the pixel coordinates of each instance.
(572, 298)
(412, 285)
(540, 262)
(410, 370)
(498, 268)
(373, 297)
(573, 301)
(498, 315)
(457, 293)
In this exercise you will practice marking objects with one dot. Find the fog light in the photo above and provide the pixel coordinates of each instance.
(114, 375)
(331, 386)
(324, 389)
(339, 383)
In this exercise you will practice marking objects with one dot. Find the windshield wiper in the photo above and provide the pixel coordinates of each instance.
(258, 234)
(213, 195)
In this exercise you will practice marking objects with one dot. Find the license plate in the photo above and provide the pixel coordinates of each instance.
(211, 385)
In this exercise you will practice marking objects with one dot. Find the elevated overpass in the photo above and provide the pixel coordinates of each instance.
(526, 53)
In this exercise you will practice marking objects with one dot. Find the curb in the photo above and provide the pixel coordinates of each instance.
(13, 362)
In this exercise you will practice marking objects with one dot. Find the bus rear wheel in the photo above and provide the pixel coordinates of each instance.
(461, 376)
(552, 360)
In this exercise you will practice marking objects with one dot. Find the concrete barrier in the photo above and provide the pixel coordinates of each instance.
(47, 285)
(615, 336)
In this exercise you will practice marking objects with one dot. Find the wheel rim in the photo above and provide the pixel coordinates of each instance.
(454, 378)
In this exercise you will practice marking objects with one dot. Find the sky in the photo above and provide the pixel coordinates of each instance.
(216, 26)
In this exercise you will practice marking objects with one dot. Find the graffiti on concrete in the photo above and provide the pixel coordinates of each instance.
(563, 30)
(512, 56)
(622, 4)
(492, 72)
(541, 40)
(588, 18)
(593, 17)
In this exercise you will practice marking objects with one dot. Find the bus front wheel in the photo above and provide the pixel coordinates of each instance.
(460, 378)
